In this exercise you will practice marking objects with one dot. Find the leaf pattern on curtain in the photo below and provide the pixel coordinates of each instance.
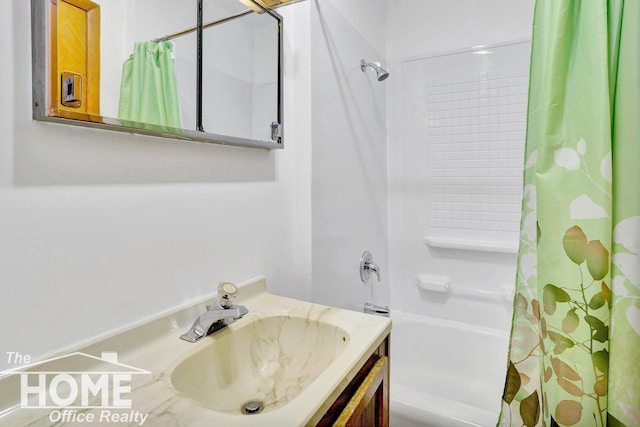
(575, 339)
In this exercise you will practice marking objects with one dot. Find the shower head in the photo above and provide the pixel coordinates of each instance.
(380, 72)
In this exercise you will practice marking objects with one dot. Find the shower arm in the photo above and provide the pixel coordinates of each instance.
(381, 72)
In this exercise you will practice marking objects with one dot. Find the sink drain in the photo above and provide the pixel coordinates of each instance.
(252, 407)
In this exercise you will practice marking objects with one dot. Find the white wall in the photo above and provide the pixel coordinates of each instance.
(417, 29)
(349, 189)
(101, 229)
(114, 50)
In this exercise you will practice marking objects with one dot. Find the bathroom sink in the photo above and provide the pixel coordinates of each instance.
(292, 356)
(269, 360)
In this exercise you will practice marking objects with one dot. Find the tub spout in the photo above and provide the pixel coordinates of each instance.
(376, 309)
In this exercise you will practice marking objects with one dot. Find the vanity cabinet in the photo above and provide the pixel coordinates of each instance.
(365, 401)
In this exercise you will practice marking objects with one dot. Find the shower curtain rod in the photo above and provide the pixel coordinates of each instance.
(207, 25)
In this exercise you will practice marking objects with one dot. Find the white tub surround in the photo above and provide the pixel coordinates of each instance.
(445, 373)
(150, 351)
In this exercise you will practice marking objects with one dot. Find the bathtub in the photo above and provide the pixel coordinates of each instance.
(445, 373)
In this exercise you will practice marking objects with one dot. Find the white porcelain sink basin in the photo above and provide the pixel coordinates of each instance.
(266, 359)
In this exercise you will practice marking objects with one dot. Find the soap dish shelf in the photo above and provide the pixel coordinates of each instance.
(471, 245)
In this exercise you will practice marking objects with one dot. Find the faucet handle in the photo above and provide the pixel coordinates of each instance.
(226, 293)
(367, 266)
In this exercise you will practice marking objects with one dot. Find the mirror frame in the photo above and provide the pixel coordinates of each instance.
(40, 66)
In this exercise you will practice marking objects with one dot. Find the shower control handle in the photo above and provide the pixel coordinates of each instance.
(367, 266)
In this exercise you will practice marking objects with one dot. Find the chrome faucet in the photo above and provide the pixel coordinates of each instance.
(218, 315)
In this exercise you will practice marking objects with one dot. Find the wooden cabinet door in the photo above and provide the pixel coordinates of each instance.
(369, 406)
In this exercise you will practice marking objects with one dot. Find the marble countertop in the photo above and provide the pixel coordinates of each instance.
(147, 353)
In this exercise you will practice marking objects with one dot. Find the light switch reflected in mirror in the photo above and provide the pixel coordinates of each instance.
(136, 68)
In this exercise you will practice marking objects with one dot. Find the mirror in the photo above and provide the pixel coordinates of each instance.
(200, 70)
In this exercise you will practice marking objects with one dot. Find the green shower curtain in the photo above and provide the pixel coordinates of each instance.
(574, 357)
(148, 92)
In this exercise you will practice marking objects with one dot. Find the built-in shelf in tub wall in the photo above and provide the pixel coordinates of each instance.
(471, 120)
(471, 245)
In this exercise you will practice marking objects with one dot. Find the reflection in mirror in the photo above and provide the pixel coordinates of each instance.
(133, 65)
(241, 76)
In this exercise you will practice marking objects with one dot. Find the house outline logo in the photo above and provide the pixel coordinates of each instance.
(77, 388)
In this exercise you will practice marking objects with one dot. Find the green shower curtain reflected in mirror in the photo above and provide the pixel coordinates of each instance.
(574, 357)
(148, 92)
